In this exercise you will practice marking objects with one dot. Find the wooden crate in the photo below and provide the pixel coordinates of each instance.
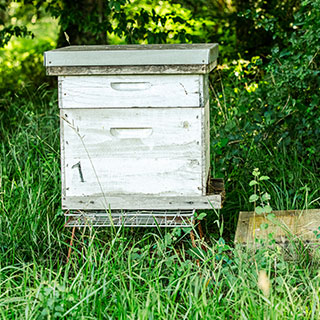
(284, 226)
(135, 128)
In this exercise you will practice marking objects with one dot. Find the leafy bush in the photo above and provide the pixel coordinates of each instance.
(276, 104)
(21, 60)
(261, 24)
(267, 115)
(21, 67)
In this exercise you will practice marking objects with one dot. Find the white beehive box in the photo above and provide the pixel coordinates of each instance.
(135, 126)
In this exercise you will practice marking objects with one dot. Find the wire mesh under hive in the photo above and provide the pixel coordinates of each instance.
(130, 218)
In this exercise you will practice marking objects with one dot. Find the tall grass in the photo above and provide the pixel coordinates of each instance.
(133, 273)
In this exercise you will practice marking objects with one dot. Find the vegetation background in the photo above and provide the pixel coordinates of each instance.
(264, 114)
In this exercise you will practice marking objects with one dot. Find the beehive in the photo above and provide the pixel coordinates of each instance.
(135, 126)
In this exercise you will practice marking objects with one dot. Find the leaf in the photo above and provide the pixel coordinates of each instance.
(264, 178)
(201, 215)
(253, 183)
(267, 209)
(135, 256)
(264, 226)
(271, 216)
(259, 210)
(224, 142)
(177, 232)
(197, 253)
(253, 198)
(266, 196)
(187, 230)
(256, 172)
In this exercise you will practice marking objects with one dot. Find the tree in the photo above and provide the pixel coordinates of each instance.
(7, 29)
(261, 24)
(90, 21)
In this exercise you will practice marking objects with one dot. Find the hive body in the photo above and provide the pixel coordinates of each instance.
(134, 136)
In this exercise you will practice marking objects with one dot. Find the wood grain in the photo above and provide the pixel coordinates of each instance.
(131, 70)
(285, 226)
(142, 202)
(205, 131)
(129, 91)
(161, 156)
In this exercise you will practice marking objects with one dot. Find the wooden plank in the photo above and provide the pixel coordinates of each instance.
(62, 155)
(286, 224)
(132, 55)
(205, 134)
(140, 47)
(124, 151)
(129, 91)
(141, 202)
(206, 160)
(137, 70)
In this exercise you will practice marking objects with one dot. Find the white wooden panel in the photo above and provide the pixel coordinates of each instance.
(140, 202)
(129, 91)
(205, 125)
(132, 151)
(206, 143)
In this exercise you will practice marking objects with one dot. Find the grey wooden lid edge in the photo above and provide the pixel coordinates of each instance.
(130, 57)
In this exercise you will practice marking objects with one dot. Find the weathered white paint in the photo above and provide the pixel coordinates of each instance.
(205, 152)
(135, 126)
(142, 202)
(130, 91)
(169, 54)
(132, 151)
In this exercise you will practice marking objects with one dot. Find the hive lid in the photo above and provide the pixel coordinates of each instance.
(132, 55)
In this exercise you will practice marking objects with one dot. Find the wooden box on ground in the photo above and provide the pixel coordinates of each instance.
(283, 226)
(135, 126)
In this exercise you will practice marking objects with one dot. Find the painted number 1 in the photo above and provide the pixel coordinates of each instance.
(78, 165)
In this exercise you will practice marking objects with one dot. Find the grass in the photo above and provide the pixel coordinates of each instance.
(138, 273)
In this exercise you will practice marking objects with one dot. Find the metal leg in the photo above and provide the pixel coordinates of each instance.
(201, 235)
(71, 242)
(194, 243)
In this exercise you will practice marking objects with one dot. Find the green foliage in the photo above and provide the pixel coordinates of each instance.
(263, 206)
(8, 28)
(216, 23)
(154, 23)
(9, 31)
(21, 61)
(140, 274)
(120, 18)
(265, 113)
(294, 78)
(261, 24)
(274, 105)
(21, 68)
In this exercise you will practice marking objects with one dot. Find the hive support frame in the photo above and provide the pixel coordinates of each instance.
(179, 218)
(149, 218)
